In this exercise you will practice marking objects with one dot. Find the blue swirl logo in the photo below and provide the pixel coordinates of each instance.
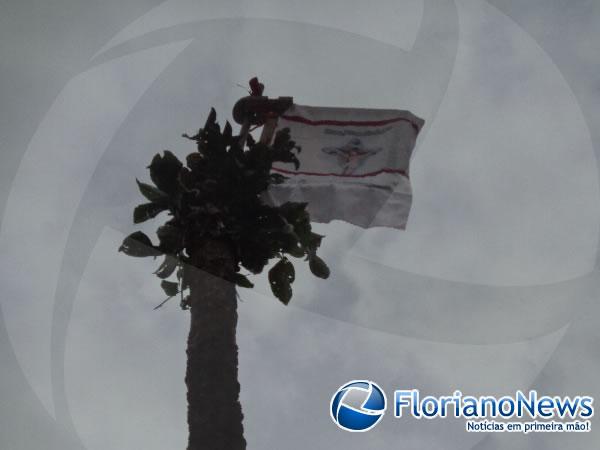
(358, 406)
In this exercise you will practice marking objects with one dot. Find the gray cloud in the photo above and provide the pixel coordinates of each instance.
(505, 207)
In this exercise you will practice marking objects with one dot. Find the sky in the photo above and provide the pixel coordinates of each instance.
(491, 288)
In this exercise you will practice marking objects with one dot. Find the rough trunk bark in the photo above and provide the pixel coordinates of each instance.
(214, 410)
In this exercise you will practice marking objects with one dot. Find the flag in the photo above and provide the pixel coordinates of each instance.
(354, 164)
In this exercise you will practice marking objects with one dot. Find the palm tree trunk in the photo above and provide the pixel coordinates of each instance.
(214, 410)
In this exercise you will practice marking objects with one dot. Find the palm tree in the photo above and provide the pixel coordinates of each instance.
(219, 225)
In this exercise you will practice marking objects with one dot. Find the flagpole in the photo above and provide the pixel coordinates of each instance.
(244, 130)
(269, 129)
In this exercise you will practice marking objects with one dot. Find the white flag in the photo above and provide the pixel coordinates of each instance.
(354, 164)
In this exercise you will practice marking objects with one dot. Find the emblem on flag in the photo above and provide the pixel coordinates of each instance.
(352, 155)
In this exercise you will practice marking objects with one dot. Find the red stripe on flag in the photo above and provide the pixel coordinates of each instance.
(345, 123)
(362, 175)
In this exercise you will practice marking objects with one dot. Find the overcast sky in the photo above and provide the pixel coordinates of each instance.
(491, 288)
